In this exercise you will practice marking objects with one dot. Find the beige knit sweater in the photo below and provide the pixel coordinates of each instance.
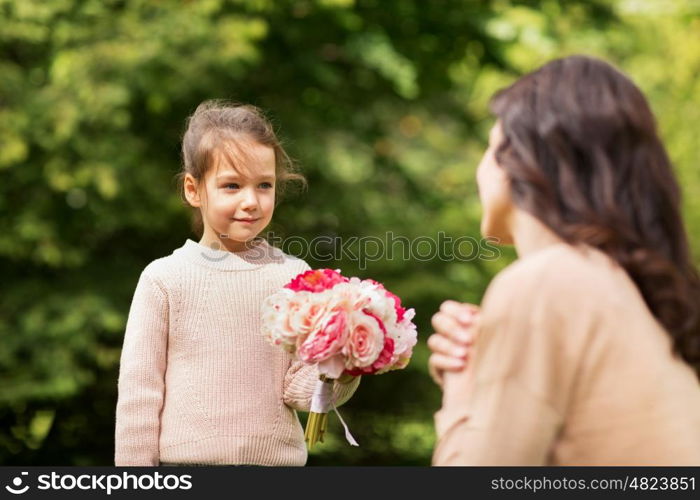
(569, 368)
(198, 383)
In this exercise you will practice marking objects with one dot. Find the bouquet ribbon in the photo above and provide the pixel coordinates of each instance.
(322, 402)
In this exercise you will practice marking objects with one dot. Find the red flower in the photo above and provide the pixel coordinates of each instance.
(400, 311)
(316, 280)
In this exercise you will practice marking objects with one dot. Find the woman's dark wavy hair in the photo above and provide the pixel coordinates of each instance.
(583, 155)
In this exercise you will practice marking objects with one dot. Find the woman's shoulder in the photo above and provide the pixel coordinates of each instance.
(558, 296)
(558, 273)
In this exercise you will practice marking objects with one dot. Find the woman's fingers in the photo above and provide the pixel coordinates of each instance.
(447, 363)
(446, 325)
(462, 312)
(455, 329)
(443, 345)
(438, 364)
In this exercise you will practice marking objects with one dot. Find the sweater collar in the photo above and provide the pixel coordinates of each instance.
(258, 255)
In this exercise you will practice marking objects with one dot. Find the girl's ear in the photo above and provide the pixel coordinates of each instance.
(190, 186)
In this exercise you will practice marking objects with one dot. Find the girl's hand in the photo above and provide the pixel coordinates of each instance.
(455, 330)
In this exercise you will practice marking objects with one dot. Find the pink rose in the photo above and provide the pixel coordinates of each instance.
(368, 348)
(381, 363)
(316, 280)
(326, 340)
(305, 317)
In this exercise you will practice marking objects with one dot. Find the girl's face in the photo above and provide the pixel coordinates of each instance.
(236, 203)
(494, 193)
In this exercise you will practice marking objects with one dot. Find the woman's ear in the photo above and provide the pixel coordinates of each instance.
(191, 188)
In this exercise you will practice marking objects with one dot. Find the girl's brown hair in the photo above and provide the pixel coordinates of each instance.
(583, 155)
(217, 128)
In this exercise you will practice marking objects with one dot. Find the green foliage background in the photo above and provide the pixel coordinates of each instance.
(383, 103)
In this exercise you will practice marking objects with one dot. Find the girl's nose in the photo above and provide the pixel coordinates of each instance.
(250, 200)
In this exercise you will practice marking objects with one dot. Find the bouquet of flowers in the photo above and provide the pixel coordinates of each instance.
(345, 326)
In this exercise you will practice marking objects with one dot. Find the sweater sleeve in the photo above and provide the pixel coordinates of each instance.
(141, 376)
(507, 407)
(300, 381)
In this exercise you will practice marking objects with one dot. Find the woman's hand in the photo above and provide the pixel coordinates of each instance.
(455, 330)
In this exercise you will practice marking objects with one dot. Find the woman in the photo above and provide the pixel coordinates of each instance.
(586, 349)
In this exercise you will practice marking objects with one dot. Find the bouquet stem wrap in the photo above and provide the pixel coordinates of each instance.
(321, 403)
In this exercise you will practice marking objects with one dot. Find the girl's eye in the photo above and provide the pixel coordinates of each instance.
(232, 186)
(266, 185)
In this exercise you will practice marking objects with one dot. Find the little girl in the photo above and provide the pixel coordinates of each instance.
(198, 383)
